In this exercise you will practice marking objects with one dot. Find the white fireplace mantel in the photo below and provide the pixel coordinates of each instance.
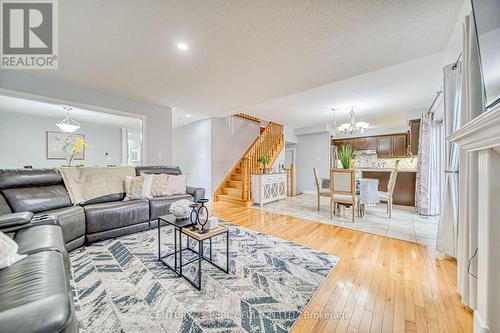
(483, 135)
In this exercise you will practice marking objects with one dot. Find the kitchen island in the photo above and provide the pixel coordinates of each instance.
(404, 190)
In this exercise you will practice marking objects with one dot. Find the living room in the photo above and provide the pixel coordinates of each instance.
(262, 166)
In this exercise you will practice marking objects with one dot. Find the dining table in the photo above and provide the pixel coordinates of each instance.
(366, 191)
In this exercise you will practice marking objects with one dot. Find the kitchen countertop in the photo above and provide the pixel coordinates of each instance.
(387, 169)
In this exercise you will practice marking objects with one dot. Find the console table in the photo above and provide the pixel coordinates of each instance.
(268, 187)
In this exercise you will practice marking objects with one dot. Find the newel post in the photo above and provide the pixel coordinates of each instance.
(245, 174)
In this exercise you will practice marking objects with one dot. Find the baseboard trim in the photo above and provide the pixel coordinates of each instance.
(479, 324)
(308, 192)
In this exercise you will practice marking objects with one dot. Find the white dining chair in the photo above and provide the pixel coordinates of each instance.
(321, 192)
(343, 189)
(387, 196)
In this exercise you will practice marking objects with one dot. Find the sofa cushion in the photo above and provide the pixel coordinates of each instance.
(14, 178)
(37, 199)
(71, 219)
(36, 296)
(40, 238)
(157, 169)
(4, 206)
(111, 215)
(160, 205)
(105, 198)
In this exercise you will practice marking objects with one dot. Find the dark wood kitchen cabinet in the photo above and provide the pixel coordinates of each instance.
(360, 143)
(399, 145)
(371, 143)
(387, 146)
(404, 190)
(384, 146)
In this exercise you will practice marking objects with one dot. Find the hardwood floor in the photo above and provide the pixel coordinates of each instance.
(379, 285)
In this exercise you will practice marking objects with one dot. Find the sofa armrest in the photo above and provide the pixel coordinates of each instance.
(31, 222)
(197, 192)
(15, 219)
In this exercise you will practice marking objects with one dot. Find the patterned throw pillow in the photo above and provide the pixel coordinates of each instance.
(138, 187)
(177, 184)
(165, 185)
(160, 185)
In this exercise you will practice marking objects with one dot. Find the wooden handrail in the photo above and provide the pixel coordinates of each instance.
(248, 117)
(271, 141)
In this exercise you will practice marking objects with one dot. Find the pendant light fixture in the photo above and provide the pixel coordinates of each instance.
(352, 126)
(68, 125)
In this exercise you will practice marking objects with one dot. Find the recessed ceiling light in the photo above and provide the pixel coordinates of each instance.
(188, 115)
(182, 46)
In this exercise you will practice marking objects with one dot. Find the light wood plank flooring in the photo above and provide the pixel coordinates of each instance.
(379, 285)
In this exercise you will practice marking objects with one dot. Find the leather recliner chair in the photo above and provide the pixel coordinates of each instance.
(42, 192)
(35, 292)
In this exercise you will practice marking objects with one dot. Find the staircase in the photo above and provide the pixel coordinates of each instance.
(236, 187)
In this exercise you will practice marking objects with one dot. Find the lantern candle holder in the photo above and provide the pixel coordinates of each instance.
(194, 216)
(202, 218)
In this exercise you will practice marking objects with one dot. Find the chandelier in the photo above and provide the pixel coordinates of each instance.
(68, 125)
(352, 126)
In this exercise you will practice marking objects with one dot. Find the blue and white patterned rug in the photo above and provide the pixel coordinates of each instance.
(120, 286)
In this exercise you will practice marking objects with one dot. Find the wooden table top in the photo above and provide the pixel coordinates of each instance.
(211, 233)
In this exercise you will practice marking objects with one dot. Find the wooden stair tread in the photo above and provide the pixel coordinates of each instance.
(232, 191)
(235, 184)
(234, 200)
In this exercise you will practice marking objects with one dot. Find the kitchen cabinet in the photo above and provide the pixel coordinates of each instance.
(414, 136)
(384, 146)
(404, 190)
(360, 143)
(387, 146)
(371, 143)
(399, 146)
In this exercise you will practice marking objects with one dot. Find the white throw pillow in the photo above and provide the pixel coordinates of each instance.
(176, 184)
(160, 185)
(138, 187)
(8, 251)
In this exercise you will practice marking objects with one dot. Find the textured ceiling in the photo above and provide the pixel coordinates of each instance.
(384, 98)
(49, 110)
(241, 52)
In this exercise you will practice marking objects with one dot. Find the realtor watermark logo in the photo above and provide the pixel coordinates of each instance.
(29, 34)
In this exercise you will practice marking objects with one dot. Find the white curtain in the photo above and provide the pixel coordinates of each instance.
(472, 105)
(429, 168)
(447, 235)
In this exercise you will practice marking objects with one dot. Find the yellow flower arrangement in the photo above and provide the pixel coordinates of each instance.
(76, 148)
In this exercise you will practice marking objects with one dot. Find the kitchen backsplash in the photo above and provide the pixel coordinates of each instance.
(372, 161)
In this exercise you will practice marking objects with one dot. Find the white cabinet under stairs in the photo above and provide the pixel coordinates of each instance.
(268, 187)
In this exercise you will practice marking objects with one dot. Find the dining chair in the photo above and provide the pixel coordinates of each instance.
(343, 189)
(321, 192)
(387, 196)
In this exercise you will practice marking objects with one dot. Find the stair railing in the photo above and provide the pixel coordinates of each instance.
(270, 142)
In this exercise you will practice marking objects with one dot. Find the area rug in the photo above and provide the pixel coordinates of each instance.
(120, 286)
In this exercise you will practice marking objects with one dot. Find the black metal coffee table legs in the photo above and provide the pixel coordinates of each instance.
(200, 255)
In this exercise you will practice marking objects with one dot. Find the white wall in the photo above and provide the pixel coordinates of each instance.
(290, 136)
(313, 151)
(191, 151)
(159, 118)
(23, 142)
(231, 137)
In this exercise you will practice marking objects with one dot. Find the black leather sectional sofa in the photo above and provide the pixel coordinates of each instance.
(35, 210)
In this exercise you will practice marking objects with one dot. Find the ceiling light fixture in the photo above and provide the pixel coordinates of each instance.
(68, 125)
(352, 126)
(182, 46)
(188, 116)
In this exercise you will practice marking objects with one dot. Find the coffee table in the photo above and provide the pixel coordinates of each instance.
(182, 227)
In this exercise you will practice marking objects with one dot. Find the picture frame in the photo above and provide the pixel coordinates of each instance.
(58, 145)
